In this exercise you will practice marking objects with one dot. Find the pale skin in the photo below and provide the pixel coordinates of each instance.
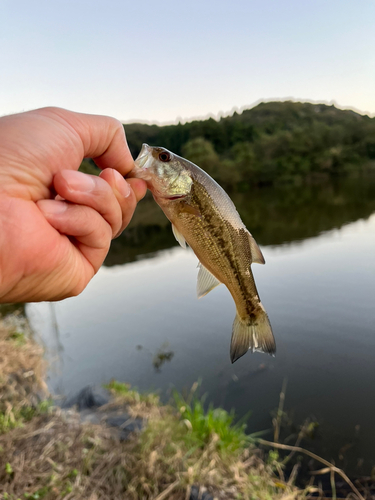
(56, 224)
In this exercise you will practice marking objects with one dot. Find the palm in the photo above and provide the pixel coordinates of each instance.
(42, 251)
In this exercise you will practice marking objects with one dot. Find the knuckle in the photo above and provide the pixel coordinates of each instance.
(116, 124)
(52, 111)
(100, 234)
(78, 288)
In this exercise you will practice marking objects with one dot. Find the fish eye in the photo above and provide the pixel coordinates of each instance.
(164, 156)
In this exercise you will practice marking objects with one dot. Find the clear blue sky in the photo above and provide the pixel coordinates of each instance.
(164, 60)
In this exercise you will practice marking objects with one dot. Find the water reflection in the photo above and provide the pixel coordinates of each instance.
(277, 215)
(318, 290)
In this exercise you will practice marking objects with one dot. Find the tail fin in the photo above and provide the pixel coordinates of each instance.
(256, 336)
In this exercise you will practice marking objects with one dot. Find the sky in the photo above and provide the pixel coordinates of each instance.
(162, 61)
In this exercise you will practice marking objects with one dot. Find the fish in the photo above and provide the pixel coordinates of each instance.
(204, 217)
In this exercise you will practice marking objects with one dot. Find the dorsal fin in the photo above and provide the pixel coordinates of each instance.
(256, 254)
(206, 281)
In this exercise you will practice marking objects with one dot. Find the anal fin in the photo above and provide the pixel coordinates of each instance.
(256, 254)
(206, 281)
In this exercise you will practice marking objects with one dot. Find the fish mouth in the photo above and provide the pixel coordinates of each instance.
(141, 159)
(176, 197)
(161, 196)
(140, 169)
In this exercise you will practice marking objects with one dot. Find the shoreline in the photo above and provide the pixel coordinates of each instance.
(131, 446)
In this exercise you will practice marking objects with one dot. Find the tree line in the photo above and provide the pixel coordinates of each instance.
(272, 142)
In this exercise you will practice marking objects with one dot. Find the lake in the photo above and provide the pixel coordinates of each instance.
(139, 320)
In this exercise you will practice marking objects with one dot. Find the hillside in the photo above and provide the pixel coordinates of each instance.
(274, 141)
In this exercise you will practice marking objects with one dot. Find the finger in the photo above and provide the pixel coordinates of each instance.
(96, 193)
(102, 137)
(92, 233)
(125, 194)
(139, 187)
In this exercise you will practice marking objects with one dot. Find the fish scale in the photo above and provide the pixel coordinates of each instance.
(203, 216)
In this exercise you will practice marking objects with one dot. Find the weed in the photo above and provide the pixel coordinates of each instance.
(119, 388)
(37, 495)
(18, 338)
(203, 424)
(8, 469)
(125, 394)
(18, 415)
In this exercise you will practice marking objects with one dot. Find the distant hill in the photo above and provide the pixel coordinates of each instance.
(274, 141)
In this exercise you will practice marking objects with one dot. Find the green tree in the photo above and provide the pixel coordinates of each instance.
(202, 153)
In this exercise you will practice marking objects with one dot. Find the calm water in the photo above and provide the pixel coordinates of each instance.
(139, 321)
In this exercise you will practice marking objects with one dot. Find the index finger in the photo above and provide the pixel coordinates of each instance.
(102, 137)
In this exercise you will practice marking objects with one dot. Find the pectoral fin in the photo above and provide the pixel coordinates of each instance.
(256, 254)
(178, 236)
(188, 209)
(206, 281)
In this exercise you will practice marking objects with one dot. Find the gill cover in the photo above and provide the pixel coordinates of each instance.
(163, 171)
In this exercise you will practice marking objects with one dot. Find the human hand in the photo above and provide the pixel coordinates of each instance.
(51, 248)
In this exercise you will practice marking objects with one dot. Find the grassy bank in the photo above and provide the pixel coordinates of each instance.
(49, 453)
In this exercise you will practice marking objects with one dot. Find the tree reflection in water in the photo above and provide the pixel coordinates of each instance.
(274, 215)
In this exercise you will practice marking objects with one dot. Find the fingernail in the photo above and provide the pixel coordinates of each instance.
(52, 207)
(122, 186)
(78, 181)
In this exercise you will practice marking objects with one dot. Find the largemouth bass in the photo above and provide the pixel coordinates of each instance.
(204, 217)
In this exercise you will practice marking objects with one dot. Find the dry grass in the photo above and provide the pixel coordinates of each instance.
(22, 367)
(22, 370)
(55, 456)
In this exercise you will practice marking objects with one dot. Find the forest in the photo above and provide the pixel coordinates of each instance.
(274, 142)
(298, 160)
